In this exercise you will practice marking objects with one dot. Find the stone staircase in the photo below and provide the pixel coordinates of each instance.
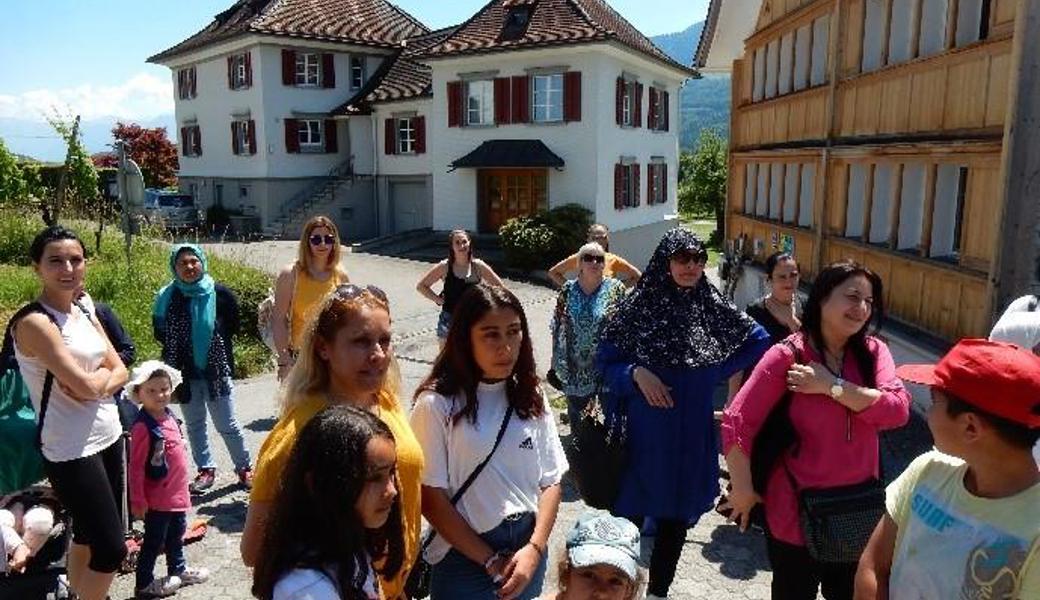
(317, 198)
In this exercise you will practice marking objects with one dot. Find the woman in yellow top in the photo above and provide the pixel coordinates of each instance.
(345, 358)
(302, 285)
(614, 266)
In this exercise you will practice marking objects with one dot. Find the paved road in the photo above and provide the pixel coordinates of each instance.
(717, 562)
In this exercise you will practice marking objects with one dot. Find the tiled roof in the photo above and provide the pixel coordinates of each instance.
(399, 78)
(551, 23)
(365, 22)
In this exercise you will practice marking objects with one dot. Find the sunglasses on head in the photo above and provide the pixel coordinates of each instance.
(350, 291)
(593, 258)
(316, 240)
(685, 258)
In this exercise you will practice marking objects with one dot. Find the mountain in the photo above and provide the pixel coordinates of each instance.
(703, 103)
(38, 140)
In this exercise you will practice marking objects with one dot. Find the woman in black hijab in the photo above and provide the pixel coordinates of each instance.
(667, 347)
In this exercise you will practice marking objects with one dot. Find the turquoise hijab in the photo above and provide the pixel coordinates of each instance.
(203, 308)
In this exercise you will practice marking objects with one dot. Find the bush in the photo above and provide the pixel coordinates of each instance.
(540, 241)
(130, 291)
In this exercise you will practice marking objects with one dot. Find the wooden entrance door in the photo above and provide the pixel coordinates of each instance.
(507, 193)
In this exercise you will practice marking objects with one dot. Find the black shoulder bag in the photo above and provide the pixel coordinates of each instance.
(418, 584)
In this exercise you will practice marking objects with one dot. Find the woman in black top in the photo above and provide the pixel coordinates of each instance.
(779, 310)
(459, 272)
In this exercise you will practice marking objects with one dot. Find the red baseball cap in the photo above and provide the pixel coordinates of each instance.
(1001, 379)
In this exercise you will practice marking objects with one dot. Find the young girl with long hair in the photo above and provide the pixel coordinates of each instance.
(337, 522)
(481, 400)
(346, 359)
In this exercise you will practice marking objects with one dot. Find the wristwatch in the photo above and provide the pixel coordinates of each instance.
(838, 388)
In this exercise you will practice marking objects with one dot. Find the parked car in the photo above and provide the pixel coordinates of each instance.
(171, 209)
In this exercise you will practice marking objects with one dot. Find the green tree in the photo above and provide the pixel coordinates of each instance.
(703, 176)
(79, 182)
(12, 183)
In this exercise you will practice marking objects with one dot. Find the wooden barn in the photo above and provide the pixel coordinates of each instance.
(884, 131)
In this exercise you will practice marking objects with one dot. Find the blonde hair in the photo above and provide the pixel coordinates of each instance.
(563, 573)
(310, 373)
(304, 256)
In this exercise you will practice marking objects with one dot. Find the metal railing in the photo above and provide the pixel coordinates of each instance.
(344, 170)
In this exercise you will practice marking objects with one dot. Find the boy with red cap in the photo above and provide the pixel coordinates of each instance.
(964, 521)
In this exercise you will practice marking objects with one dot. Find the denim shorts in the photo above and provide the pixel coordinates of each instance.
(443, 324)
(456, 577)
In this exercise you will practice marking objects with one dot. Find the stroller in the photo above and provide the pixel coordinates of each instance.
(44, 575)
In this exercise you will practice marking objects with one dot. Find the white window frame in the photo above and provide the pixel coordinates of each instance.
(242, 143)
(481, 92)
(184, 91)
(238, 71)
(405, 130)
(357, 72)
(547, 103)
(628, 103)
(308, 69)
(311, 135)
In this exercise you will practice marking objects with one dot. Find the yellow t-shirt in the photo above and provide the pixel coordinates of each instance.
(952, 544)
(274, 456)
(612, 263)
(307, 296)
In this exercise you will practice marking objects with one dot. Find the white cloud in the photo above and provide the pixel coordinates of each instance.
(143, 96)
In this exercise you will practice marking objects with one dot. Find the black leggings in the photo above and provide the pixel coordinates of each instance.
(90, 489)
(798, 576)
(668, 547)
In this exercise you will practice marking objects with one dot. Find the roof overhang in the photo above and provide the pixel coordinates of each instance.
(729, 23)
(509, 154)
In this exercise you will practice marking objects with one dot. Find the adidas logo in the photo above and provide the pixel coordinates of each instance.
(527, 444)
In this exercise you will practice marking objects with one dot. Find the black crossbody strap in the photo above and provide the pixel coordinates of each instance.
(473, 476)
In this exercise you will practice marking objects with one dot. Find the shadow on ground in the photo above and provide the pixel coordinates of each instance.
(260, 425)
(739, 555)
(228, 517)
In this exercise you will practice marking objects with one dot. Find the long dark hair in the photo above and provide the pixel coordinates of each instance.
(826, 282)
(313, 524)
(451, 245)
(456, 372)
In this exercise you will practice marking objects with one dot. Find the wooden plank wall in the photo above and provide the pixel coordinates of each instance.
(798, 116)
(774, 10)
(760, 229)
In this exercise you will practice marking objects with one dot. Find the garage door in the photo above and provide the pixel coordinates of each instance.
(408, 205)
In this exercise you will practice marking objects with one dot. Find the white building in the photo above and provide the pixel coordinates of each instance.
(354, 109)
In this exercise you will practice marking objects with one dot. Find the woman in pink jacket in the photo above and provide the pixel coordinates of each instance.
(844, 391)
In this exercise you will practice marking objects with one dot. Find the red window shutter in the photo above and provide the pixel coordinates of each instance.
(249, 69)
(664, 181)
(328, 71)
(331, 137)
(619, 181)
(637, 107)
(194, 80)
(389, 137)
(231, 72)
(619, 99)
(650, 168)
(572, 96)
(292, 136)
(198, 141)
(180, 84)
(502, 100)
(419, 125)
(651, 113)
(234, 138)
(521, 99)
(454, 103)
(634, 172)
(184, 141)
(288, 67)
(251, 134)
(667, 111)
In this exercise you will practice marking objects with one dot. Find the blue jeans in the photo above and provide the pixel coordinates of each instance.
(443, 324)
(161, 529)
(456, 576)
(223, 412)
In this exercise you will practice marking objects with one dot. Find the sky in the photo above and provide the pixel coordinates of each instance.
(90, 55)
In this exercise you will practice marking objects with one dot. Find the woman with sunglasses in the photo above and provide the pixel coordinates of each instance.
(302, 284)
(664, 351)
(581, 310)
(459, 272)
(345, 358)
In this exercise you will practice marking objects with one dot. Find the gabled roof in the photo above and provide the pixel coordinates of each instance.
(364, 22)
(398, 78)
(549, 23)
(729, 23)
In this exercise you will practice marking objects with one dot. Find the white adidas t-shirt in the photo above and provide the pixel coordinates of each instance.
(529, 458)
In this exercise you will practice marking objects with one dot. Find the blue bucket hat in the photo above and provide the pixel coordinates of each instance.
(599, 538)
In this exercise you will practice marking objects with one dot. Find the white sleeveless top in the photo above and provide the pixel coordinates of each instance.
(72, 428)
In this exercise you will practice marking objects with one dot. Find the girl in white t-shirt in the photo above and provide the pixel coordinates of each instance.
(337, 519)
(492, 543)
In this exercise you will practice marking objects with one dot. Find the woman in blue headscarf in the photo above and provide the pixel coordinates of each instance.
(194, 319)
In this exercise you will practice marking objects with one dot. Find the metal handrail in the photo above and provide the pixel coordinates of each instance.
(343, 170)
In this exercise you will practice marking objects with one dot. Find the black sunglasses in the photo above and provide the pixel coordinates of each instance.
(350, 291)
(593, 258)
(316, 240)
(684, 258)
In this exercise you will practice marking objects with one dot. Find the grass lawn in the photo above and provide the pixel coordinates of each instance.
(130, 289)
(704, 227)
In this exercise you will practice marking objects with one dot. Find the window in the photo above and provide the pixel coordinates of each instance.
(950, 184)
(772, 66)
(186, 83)
(548, 98)
(790, 193)
(239, 72)
(901, 35)
(657, 175)
(516, 23)
(881, 205)
(308, 68)
(626, 103)
(933, 27)
(786, 63)
(805, 198)
(792, 62)
(759, 75)
(243, 137)
(911, 208)
(405, 136)
(820, 37)
(897, 31)
(357, 72)
(856, 199)
(310, 134)
(873, 35)
(191, 140)
(626, 185)
(480, 102)
(750, 185)
(776, 189)
(802, 49)
(762, 195)
(658, 108)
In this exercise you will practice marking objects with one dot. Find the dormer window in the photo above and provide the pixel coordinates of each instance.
(517, 20)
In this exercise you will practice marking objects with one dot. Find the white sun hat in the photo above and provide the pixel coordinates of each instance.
(143, 372)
